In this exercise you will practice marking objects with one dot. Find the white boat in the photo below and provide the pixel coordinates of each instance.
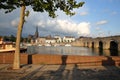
(47, 44)
(39, 45)
(7, 50)
(68, 45)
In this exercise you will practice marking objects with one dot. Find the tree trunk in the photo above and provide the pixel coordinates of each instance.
(16, 63)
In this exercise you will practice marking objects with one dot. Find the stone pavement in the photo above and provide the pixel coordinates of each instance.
(60, 72)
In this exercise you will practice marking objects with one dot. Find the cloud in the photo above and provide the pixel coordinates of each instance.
(5, 24)
(98, 28)
(102, 22)
(14, 22)
(7, 31)
(83, 13)
(114, 13)
(62, 25)
(65, 27)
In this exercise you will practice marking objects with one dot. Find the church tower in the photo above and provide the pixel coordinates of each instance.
(36, 33)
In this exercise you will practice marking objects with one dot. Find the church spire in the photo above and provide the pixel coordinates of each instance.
(36, 32)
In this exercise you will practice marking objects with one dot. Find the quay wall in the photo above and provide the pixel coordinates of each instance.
(76, 59)
(7, 58)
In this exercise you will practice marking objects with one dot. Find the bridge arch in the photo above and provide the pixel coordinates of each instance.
(92, 44)
(87, 44)
(100, 45)
(113, 45)
(114, 48)
(100, 48)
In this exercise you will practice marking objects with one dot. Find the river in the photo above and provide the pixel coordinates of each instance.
(63, 50)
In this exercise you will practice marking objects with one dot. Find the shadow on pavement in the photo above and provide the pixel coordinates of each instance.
(108, 72)
(56, 75)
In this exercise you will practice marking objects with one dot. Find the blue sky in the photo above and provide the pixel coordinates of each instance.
(97, 18)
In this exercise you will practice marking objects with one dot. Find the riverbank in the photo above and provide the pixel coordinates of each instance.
(7, 58)
(60, 72)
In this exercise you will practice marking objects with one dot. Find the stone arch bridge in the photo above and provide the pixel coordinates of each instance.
(111, 43)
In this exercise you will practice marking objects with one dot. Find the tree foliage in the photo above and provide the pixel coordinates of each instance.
(9, 38)
(50, 6)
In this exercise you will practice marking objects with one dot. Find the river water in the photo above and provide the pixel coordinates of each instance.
(63, 50)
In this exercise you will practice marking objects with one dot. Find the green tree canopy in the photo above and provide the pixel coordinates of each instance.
(50, 6)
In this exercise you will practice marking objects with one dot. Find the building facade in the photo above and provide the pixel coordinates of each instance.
(58, 39)
(68, 39)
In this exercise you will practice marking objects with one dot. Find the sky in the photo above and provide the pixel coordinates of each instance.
(97, 18)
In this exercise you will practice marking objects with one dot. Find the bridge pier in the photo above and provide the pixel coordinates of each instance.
(118, 47)
(91, 45)
(96, 44)
(106, 45)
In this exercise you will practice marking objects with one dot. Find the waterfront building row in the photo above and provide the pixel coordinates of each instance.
(52, 40)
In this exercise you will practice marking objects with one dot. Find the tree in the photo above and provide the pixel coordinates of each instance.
(50, 6)
(12, 38)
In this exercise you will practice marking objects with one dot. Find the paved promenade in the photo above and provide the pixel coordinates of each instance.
(60, 72)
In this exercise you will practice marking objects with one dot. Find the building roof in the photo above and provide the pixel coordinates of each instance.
(69, 36)
(50, 38)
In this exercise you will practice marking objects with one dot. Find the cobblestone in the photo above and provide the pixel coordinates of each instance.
(60, 72)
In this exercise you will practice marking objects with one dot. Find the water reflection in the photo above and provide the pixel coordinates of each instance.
(101, 51)
(114, 52)
(107, 53)
(71, 51)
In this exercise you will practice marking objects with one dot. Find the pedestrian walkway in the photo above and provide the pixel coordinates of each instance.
(60, 72)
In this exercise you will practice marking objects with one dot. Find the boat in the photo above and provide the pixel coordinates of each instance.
(22, 50)
(7, 50)
(47, 44)
(39, 45)
(68, 45)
